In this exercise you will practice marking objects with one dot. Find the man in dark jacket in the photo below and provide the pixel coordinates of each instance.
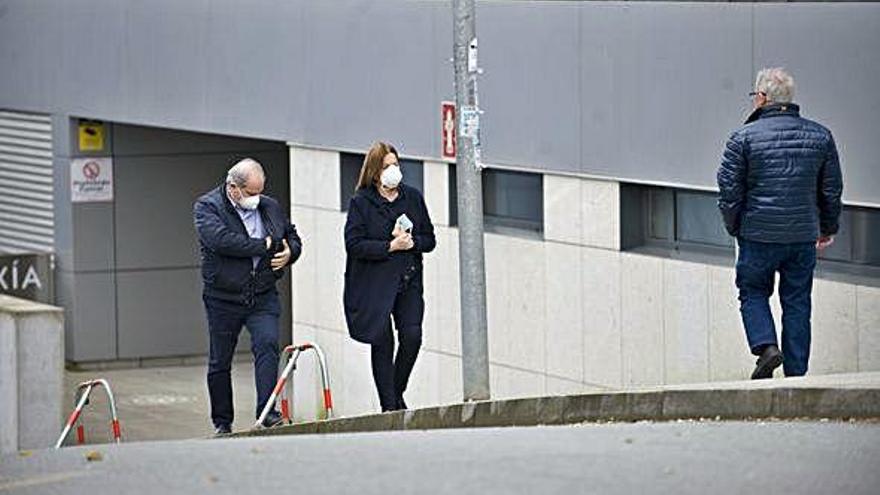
(246, 241)
(781, 186)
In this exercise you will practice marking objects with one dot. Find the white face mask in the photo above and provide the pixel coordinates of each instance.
(250, 202)
(391, 176)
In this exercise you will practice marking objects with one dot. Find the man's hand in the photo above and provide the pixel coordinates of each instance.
(281, 258)
(824, 241)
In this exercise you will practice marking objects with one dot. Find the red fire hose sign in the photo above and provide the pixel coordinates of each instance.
(91, 180)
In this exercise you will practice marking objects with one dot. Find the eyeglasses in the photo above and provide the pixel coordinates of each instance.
(756, 93)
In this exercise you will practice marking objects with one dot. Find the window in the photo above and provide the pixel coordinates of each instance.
(698, 220)
(858, 240)
(672, 218)
(670, 221)
(350, 170)
(513, 202)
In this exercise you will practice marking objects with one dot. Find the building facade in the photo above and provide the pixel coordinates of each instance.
(607, 265)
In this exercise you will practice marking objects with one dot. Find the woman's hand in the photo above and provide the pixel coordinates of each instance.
(402, 242)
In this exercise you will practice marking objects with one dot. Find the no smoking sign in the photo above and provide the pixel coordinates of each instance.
(91, 180)
(91, 170)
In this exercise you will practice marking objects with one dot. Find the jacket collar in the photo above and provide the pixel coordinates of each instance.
(372, 194)
(223, 198)
(774, 110)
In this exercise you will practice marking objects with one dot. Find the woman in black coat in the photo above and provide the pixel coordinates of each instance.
(386, 232)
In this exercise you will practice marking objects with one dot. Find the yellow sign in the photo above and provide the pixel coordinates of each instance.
(91, 136)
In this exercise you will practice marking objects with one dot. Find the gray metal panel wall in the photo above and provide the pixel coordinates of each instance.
(372, 74)
(27, 218)
(158, 175)
(662, 87)
(834, 52)
(85, 255)
(531, 88)
(646, 91)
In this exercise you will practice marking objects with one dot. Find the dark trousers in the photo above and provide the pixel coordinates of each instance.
(391, 373)
(225, 320)
(756, 269)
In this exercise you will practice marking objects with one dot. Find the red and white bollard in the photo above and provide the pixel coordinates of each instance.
(286, 377)
(83, 390)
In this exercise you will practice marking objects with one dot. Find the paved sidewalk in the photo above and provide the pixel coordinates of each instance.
(170, 403)
(165, 403)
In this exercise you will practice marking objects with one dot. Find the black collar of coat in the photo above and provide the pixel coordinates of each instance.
(774, 110)
(372, 194)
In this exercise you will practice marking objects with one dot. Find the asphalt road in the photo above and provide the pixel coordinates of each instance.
(680, 458)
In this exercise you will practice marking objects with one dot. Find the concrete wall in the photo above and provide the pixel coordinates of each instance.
(31, 374)
(569, 313)
(632, 90)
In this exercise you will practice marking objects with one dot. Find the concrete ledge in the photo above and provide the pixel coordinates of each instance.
(17, 306)
(854, 397)
(31, 373)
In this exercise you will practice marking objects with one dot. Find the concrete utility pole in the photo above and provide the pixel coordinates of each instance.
(474, 337)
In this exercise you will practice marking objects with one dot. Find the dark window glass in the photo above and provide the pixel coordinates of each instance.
(858, 240)
(841, 250)
(453, 196)
(661, 203)
(350, 170)
(674, 218)
(511, 200)
(413, 174)
(697, 219)
(682, 219)
(865, 223)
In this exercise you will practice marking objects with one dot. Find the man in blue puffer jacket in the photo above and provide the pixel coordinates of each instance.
(780, 185)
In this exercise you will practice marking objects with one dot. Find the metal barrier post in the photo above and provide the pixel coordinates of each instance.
(285, 404)
(279, 385)
(325, 382)
(83, 390)
(286, 376)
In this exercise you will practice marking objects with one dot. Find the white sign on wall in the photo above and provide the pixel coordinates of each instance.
(91, 180)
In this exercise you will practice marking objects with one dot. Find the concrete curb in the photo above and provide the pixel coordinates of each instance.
(666, 405)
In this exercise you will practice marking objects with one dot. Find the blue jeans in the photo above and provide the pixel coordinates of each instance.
(756, 269)
(225, 320)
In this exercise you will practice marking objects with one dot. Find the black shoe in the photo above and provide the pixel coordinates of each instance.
(770, 359)
(401, 404)
(272, 419)
(222, 429)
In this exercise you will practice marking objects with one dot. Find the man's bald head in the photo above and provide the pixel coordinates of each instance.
(246, 172)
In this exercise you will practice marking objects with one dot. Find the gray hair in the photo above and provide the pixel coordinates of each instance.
(241, 171)
(776, 84)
